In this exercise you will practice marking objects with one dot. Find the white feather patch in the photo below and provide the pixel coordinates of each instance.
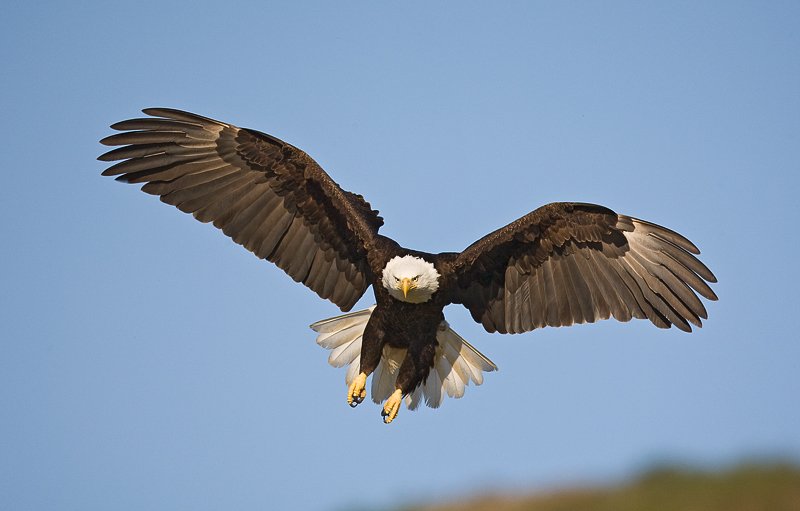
(343, 334)
(385, 375)
(432, 388)
(337, 323)
(346, 353)
(414, 399)
(456, 363)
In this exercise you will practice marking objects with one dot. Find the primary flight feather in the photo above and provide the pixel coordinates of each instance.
(561, 264)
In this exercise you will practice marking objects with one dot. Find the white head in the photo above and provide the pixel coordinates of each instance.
(410, 279)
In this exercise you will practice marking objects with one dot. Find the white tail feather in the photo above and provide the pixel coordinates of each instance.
(339, 323)
(456, 363)
(413, 401)
(432, 388)
(342, 334)
(385, 375)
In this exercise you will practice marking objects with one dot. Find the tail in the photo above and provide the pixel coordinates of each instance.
(456, 364)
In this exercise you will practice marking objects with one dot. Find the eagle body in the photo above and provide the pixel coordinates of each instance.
(389, 326)
(561, 264)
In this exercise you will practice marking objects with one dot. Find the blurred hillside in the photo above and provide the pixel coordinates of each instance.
(751, 487)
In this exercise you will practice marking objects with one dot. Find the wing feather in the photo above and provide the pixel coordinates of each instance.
(632, 282)
(223, 211)
(605, 291)
(583, 293)
(267, 195)
(551, 294)
(568, 263)
(562, 293)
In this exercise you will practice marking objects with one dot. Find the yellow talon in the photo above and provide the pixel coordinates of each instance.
(357, 390)
(392, 406)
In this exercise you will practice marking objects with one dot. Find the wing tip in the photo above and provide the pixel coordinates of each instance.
(181, 115)
(158, 111)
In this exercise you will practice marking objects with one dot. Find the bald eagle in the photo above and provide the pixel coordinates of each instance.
(561, 264)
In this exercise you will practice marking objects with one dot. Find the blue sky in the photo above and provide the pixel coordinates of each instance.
(146, 362)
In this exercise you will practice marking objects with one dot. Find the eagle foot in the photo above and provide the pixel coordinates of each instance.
(391, 406)
(357, 390)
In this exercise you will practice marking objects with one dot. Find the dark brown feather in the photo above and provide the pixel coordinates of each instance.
(267, 195)
(567, 263)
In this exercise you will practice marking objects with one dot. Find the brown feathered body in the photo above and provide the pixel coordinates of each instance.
(561, 264)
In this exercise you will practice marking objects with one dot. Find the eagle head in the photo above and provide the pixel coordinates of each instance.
(410, 279)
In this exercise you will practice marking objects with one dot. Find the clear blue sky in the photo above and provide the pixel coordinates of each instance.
(147, 362)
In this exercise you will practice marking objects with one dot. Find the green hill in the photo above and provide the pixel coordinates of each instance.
(744, 488)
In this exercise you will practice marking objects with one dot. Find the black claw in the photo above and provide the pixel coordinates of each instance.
(353, 404)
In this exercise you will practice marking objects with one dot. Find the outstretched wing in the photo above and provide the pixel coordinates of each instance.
(568, 263)
(267, 195)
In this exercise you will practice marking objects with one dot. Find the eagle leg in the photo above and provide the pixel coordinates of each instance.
(391, 406)
(357, 390)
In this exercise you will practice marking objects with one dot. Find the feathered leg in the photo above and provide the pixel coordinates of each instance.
(412, 372)
(371, 347)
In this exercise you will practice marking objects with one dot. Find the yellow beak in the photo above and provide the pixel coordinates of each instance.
(405, 285)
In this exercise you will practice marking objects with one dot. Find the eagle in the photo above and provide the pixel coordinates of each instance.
(563, 263)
